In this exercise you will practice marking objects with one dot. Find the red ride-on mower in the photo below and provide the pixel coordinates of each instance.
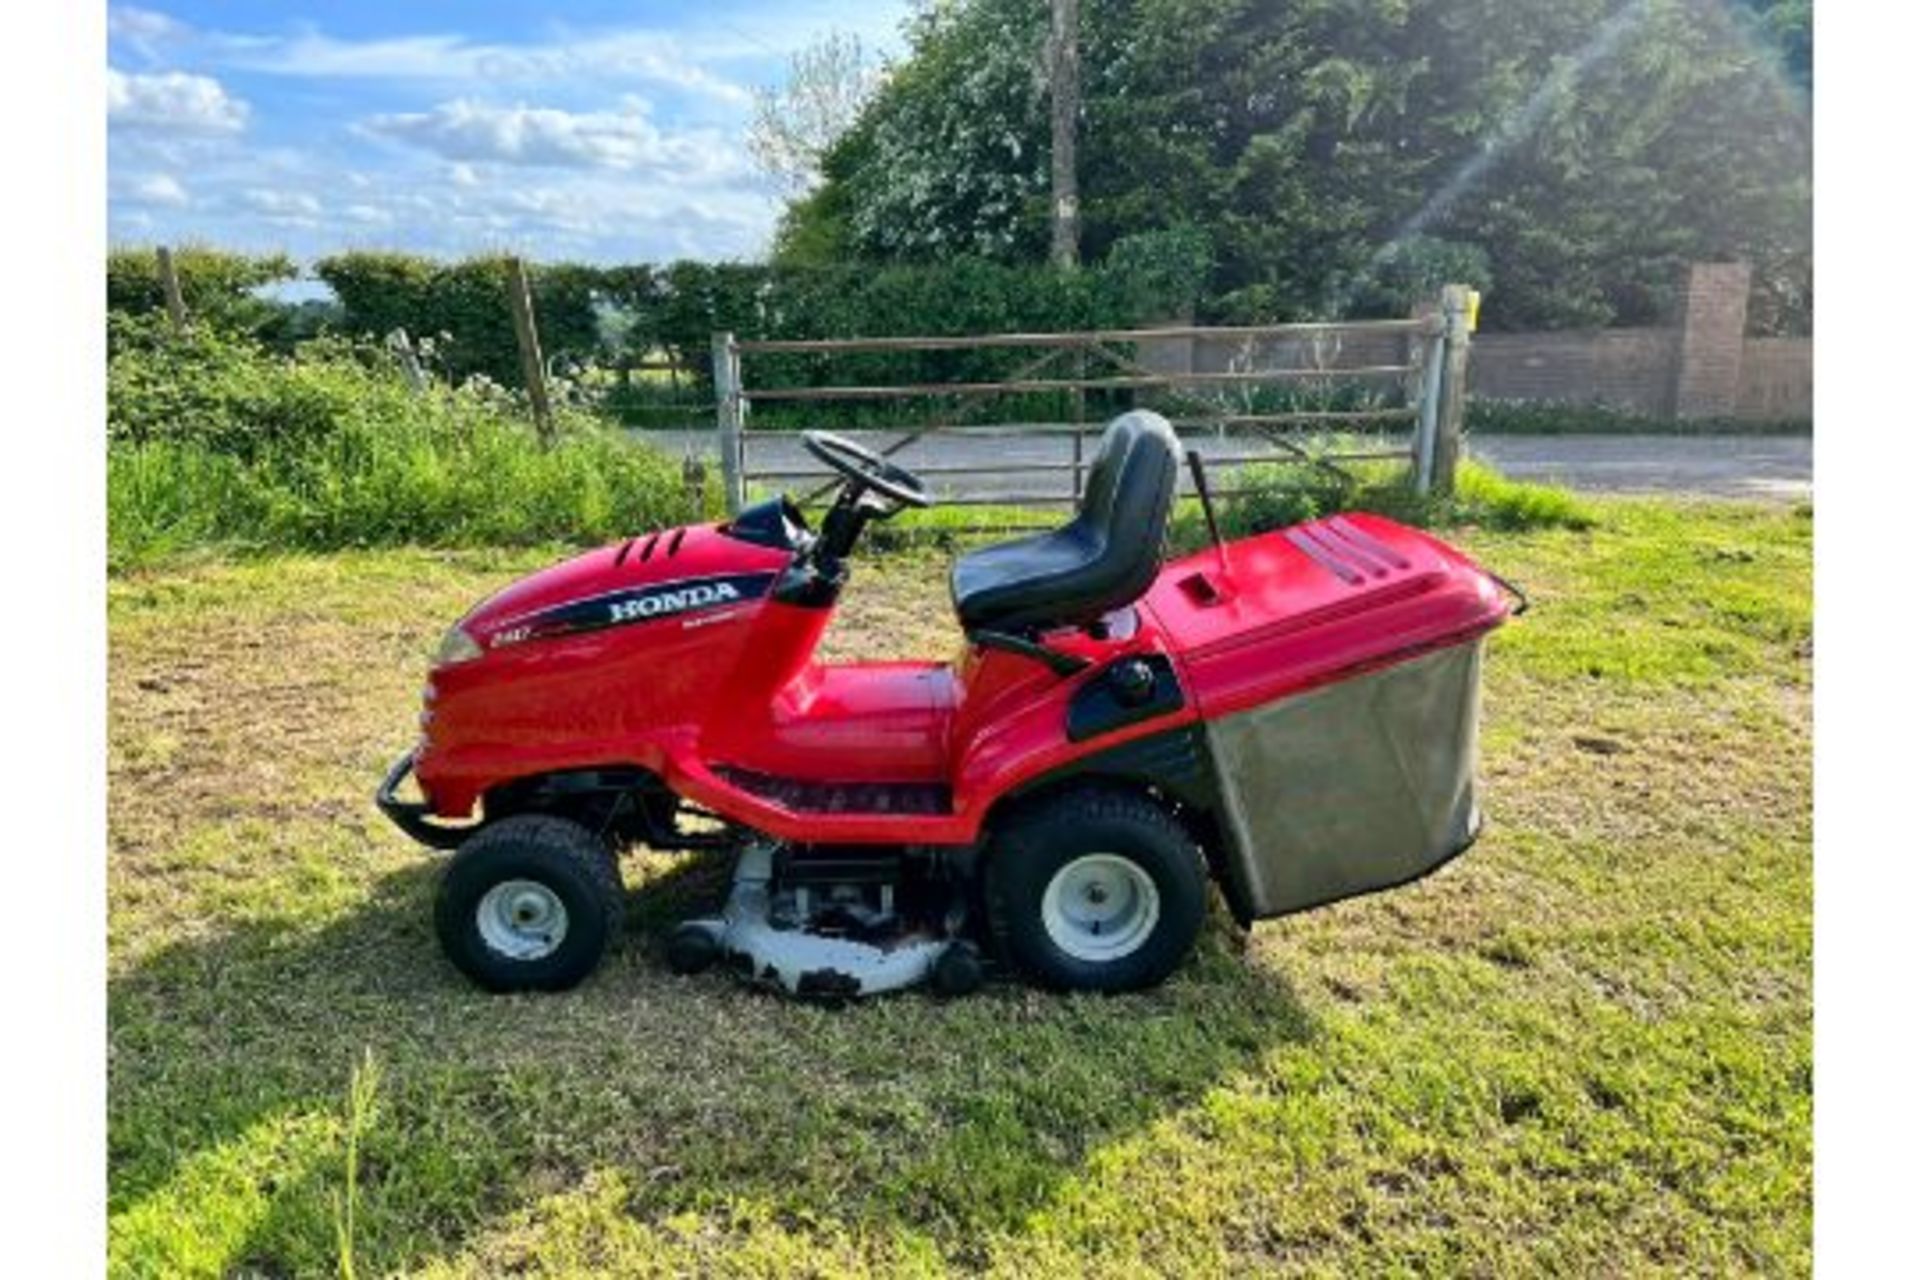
(1291, 716)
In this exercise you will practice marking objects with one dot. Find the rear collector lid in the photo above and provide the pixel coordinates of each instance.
(1271, 615)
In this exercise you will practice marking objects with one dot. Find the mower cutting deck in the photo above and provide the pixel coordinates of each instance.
(1292, 716)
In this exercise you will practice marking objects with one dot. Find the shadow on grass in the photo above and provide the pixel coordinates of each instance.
(231, 1055)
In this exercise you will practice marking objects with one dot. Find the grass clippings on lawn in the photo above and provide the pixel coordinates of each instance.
(1586, 1046)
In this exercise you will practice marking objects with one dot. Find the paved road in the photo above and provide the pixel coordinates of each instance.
(1776, 467)
(1779, 468)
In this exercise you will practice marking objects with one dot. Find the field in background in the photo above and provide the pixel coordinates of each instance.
(1584, 1047)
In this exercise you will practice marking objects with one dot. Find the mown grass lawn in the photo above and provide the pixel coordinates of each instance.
(1586, 1047)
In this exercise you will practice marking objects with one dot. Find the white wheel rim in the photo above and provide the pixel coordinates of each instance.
(522, 919)
(1100, 907)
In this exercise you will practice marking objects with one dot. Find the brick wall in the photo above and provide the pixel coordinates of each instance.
(1776, 379)
(1713, 339)
(1627, 369)
(1704, 366)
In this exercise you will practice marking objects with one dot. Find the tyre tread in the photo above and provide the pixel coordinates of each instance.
(1078, 809)
(546, 836)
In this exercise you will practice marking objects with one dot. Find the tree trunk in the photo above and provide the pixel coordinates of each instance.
(1063, 66)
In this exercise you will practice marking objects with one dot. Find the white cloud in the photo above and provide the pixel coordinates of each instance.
(639, 55)
(144, 26)
(643, 56)
(157, 188)
(173, 101)
(466, 131)
(311, 54)
(281, 204)
(301, 205)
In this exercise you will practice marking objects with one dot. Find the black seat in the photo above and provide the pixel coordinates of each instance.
(1105, 557)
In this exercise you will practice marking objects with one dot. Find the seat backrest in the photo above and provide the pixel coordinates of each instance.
(1103, 473)
(1103, 559)
(1129, 490)
(1122, 520)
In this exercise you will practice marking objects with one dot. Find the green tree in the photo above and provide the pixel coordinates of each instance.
(950, 156)
(1579, 152)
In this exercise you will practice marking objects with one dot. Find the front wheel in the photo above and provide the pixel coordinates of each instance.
(529, 903)
(1096, 890)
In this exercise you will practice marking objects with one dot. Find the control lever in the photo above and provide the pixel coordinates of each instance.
(1061, 664)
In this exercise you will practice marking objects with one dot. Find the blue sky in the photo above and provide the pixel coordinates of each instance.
(570, 129)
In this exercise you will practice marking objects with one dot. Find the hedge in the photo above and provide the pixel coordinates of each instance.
(615, 315)
(210, 279)
(220, 289)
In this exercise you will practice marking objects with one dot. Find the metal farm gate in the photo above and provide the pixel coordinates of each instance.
(1334, 392)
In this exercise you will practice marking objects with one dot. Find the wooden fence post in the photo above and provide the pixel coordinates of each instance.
(730, 419)
(532, 368)
(1079, 397)
(1426, 350)
(693, 478)
(1456, 304)
(170, 288)
(410, 367)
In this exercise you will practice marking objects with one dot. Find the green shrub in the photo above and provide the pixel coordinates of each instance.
(1274, 495)
(1409, 272)
(230, 394)
(1558, 418)
(219, 442)
(1156, 275)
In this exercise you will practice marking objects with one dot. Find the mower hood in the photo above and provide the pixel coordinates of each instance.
(655, 575)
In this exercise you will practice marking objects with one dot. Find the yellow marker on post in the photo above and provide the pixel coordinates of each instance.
(1473, 310)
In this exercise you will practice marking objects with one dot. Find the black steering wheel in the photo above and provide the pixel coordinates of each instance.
(867, 469)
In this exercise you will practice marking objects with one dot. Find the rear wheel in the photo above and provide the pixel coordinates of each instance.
(1096, 889)
(529, 903)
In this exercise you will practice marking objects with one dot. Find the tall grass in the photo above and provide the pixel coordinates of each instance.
(218, 443)
(1275, 495)
(363, 1095)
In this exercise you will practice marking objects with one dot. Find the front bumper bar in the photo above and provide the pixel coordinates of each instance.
(411, 816)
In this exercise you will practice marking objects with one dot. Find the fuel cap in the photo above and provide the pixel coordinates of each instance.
(1132, 681)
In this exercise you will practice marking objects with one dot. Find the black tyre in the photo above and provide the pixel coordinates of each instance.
(959, 971)
(692, 948)
(529, 903)
(1096, 889)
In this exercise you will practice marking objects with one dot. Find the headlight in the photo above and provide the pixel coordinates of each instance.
(456, 646)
